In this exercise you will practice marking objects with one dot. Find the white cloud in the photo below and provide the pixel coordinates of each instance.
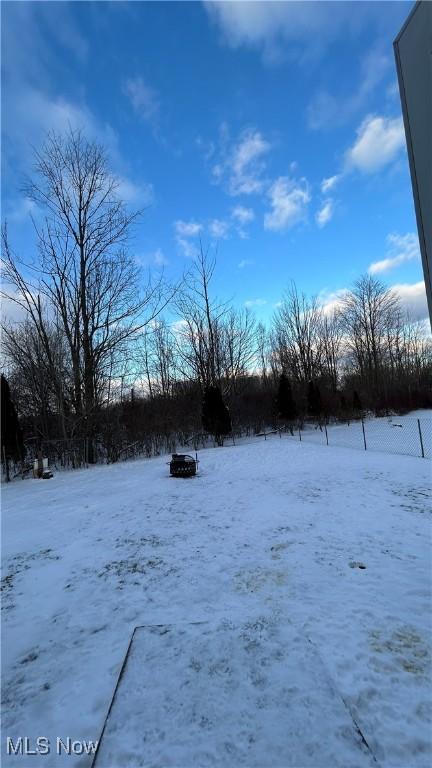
(179, 327)
(413, 299)
(245, 263)
(379, 140)
(143, 98)
(269, 26)
(134, 194)
(155, 258)
(329, 183)
(241, 164)
(331, 301)
(402, 248)
(289, 200)
(189, 249)
(218, 229)
(244, 162)
(184, 231)
(255, 302)
(10, 311)
(187, 228)
(325, 213)
(242, 215)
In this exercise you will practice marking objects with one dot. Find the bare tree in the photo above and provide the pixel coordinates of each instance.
(42, 383)
(217, 343)
(297, 336)
(238, 344)
(84, 279)
(199, 350)
(331, 334)
(263, 350)
(370, 311)
(155, 358)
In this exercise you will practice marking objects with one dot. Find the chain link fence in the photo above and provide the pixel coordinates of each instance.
(64, 454)
(405, 436)
(61, 454)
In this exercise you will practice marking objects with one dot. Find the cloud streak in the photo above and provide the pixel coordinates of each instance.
(402, 248)
(327, 111)
(325, 213)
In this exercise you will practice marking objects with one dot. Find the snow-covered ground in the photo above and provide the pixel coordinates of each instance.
(266, 542)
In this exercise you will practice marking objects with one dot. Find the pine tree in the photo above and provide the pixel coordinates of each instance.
(286, 407)
(12, 446)
(215, 415)
(356, 403)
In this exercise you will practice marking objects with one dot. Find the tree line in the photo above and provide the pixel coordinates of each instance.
(104, 355)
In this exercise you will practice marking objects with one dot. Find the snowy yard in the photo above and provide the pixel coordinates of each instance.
(267, 542)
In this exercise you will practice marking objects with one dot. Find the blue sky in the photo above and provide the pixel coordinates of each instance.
(270, 130)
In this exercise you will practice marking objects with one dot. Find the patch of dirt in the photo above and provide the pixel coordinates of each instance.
(257, 579)
(128, 567)
(142, 541)
(17, 565)
(417, 499)
(406, 647)
(131, 570)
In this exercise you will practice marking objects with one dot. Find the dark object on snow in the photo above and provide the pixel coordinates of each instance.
(183, 465)
(40, 468)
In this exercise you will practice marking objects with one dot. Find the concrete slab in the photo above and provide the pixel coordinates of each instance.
(256, 694)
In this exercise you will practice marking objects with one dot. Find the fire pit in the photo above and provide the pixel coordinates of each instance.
(183, 465)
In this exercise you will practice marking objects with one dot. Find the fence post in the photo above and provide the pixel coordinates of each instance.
(364, 435)
(326, 433)
(421, 438)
